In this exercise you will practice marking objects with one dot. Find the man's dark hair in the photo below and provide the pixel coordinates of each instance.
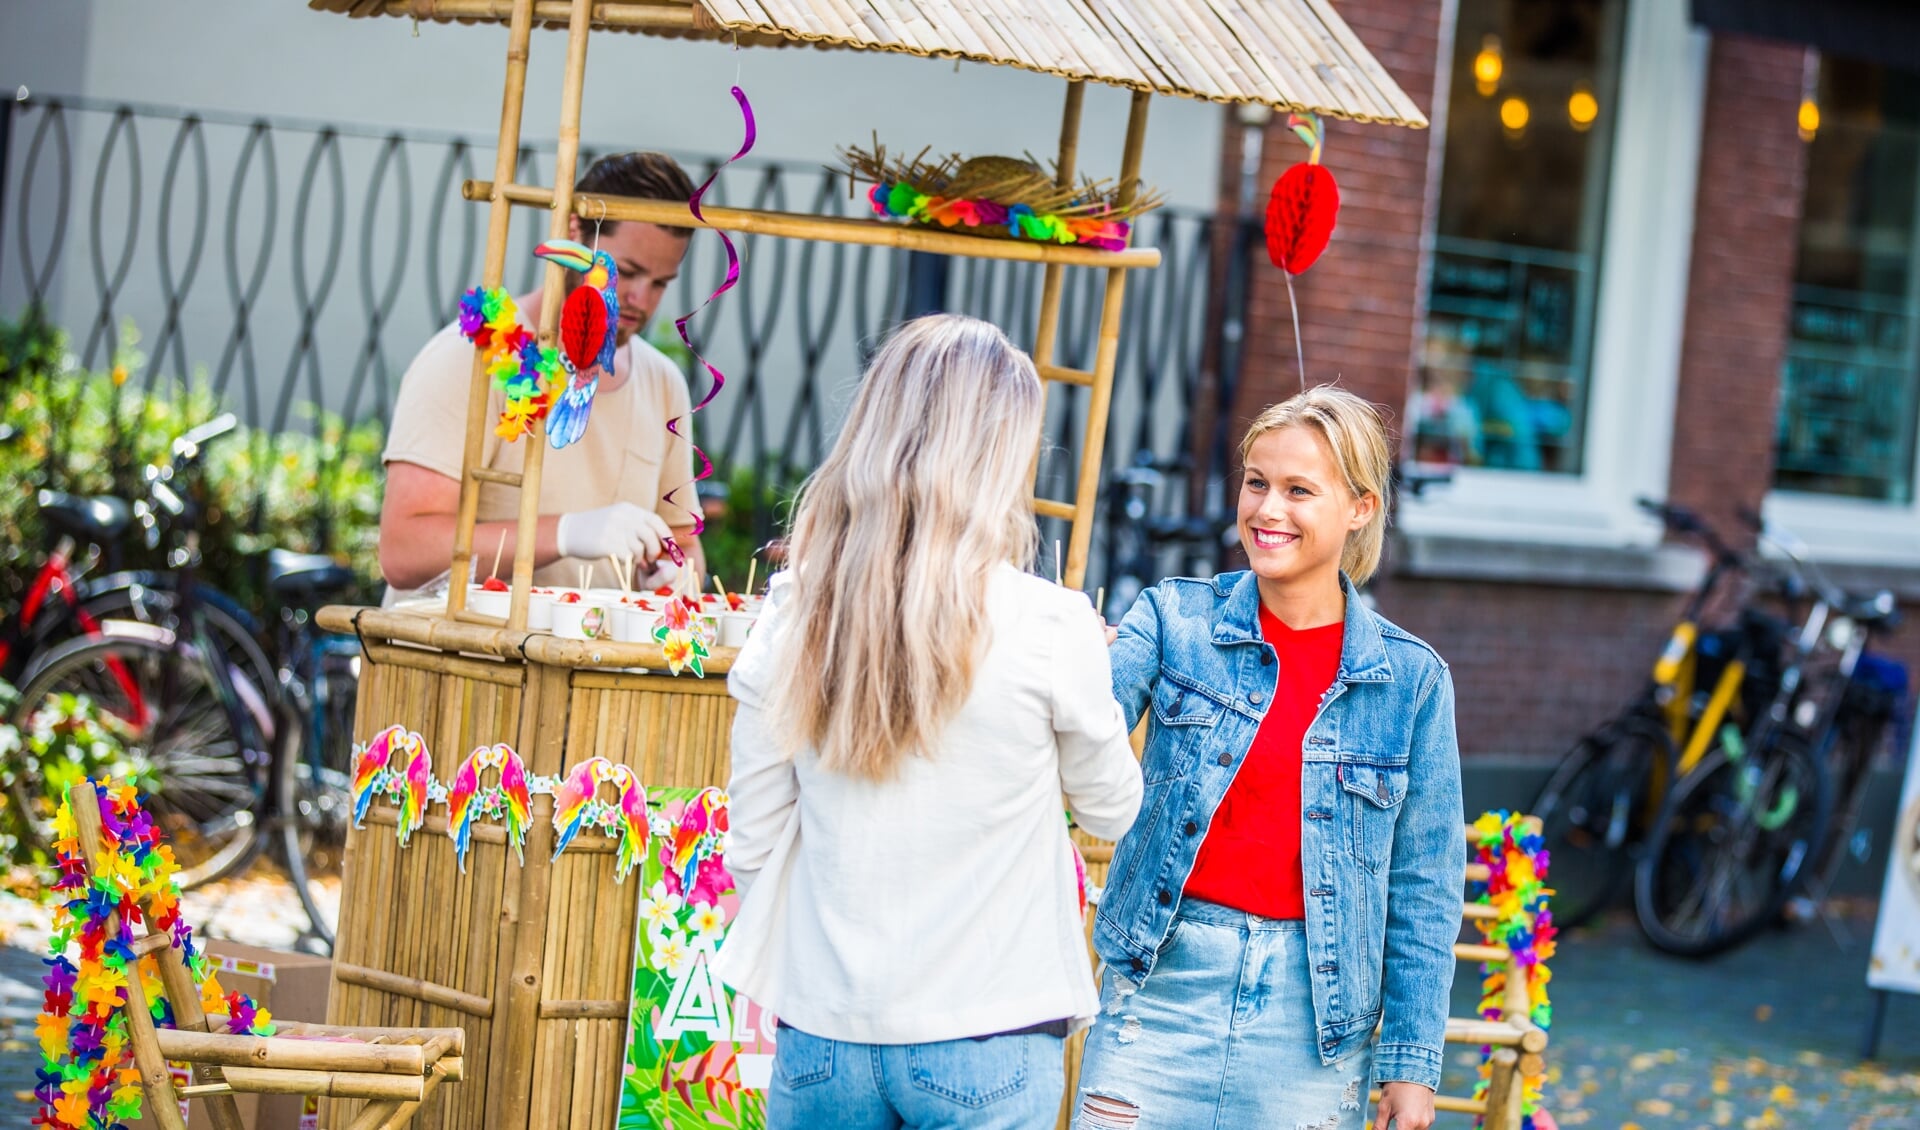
(646, 175)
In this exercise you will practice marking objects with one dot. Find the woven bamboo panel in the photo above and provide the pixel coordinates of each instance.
(409, 912)
(1289, 54)
(675, 733)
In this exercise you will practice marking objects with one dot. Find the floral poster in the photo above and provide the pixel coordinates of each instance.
(698, 1054)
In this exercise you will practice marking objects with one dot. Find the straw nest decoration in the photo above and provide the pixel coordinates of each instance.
(1007, 197)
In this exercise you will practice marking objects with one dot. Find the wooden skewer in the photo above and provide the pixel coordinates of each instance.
(1056, 561)
(626, 587)
(752, 564)
(720, 587)
(1100, 602)
(497, 551)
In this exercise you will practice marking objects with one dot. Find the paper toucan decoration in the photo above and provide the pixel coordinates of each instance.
(587, 323)
(1303, 205)
(1301, 212)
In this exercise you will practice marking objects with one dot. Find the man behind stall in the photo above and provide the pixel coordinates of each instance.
(607, 495)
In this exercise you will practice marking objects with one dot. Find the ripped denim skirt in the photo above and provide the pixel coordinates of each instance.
(1220, 1035)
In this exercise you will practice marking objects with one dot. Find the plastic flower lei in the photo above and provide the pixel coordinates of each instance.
(87, 1080)
(514, 359)
(905, 201)
(1516, 862)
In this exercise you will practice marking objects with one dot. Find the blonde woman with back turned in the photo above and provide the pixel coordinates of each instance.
(912, 706)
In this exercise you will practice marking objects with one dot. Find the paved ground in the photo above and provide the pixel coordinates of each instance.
(1764, 1039)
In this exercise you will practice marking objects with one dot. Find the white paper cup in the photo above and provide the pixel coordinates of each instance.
(634, 624)
(540, 612)
(587, 620)
(489, 602)
(734, 628)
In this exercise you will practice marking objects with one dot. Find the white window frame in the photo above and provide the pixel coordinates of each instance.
(1639, 317)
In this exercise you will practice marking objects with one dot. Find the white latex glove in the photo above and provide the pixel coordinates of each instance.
(663, 572)
(620, 530)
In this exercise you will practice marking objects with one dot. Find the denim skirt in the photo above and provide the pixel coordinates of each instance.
(1220, 1035)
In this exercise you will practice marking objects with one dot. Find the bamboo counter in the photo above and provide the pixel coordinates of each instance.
(533, 960)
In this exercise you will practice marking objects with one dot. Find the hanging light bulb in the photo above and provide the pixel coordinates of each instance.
(1582, 108)
(1487, 66)
(1514, 114)
(1809, 119)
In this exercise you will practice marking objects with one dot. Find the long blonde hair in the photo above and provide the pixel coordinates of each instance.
(1358, 439)
(894, 539)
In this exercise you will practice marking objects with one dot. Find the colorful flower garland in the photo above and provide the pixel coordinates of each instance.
(86, 1078)
(529, 374)
(1516, 861)
(902, 200)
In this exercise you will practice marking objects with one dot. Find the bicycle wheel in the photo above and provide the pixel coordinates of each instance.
(314, 783)
(1729, 847)
(148, 599)
(1589, 812)
(185, 749)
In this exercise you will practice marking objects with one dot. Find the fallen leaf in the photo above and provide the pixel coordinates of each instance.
(1658, 1107)
(1764, 1013)
(1781, 1095)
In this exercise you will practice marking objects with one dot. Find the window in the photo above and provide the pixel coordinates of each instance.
(1852, 371)
(1515, 268)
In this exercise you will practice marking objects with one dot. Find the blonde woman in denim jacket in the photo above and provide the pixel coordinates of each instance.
(1293, 881)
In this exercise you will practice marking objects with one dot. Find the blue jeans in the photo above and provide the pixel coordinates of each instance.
(1003, 1083)
(1219, 1037)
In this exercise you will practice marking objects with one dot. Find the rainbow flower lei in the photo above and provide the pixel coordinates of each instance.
(528, 373)
(87, 1080)
(902, 200)
(1516, 861)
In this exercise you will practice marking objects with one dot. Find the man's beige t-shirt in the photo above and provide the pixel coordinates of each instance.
(626, 455)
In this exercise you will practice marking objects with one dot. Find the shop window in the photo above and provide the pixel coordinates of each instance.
(1511, 292)
(1852, 371)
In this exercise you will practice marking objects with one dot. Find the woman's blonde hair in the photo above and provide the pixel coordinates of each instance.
(894, 539)
(1357, 437)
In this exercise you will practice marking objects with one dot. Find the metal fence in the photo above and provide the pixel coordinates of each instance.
(291, 264)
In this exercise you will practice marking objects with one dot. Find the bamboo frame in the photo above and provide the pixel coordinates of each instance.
(493, 272)
(827, 229)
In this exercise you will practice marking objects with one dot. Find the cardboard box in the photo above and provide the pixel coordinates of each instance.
(292, 986)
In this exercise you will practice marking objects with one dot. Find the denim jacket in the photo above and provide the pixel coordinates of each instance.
(1381, 843)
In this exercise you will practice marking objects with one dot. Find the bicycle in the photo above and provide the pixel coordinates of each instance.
(312, 801)
(1596, 805)
(195, 719)
(1743, 830)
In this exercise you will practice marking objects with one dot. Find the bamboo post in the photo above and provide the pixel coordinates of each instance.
(565, 163)
(1105, 359)
(499, 215)
(524, 939)
(1503, 1091)
(1052, 282)
(155, 1079)
(1047, 333)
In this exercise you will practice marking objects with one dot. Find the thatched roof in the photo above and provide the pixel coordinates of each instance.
(1288, 54)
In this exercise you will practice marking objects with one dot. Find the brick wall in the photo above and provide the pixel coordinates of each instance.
(1357, 303)
(1535, 665)
(1740, 284)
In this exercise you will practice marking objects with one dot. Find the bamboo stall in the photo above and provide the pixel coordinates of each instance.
(533, 959)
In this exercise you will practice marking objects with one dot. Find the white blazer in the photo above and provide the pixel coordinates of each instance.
(943, 903)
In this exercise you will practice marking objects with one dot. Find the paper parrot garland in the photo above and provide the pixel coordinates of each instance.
(1301, 212)
(1516, 861)
(576, 804)
(87, 1079)
(510, 800)
(587, 324)
(408, 786)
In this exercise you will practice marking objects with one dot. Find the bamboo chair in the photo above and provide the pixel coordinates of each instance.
(397, 1069)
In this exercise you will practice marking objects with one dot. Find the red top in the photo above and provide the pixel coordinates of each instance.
(1250, 859)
